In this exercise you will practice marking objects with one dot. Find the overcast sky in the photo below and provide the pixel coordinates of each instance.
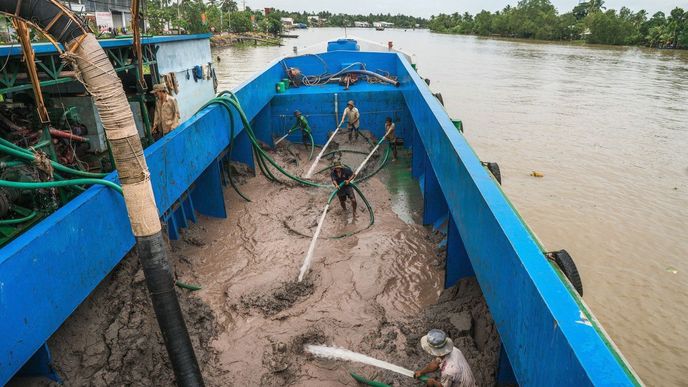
(425, 8)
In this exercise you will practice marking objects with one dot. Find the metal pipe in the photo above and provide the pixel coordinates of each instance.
(66, 135)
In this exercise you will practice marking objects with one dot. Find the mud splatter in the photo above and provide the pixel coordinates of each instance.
(279, 299)
(376, 292)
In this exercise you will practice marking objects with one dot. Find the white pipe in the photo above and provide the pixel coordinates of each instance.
(336, 109)
(360, 167)
(282, 138)
(322, 151)
(311, 248)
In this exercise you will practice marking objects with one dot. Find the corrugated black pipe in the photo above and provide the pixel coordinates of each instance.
(160, 284)
(134, 176)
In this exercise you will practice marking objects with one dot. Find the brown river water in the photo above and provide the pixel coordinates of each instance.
(608, 129)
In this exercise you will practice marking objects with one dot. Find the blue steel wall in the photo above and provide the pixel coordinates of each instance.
(49, 270)
(374, 102)
(543, 330)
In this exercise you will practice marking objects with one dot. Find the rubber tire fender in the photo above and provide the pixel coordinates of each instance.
(495, 171)
(439, 97)
(563, 259)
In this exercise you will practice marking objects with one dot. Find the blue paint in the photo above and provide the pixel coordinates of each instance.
(48, 271)
(458, 264)
(434, 206)
(343, 44)
(40, 364)
(48, 48)
(208, 193)
(243, 150)
(505, 374)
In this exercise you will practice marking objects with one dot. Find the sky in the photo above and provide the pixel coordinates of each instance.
(426, 8)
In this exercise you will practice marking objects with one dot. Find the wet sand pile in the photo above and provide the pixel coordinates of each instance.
(376, 292)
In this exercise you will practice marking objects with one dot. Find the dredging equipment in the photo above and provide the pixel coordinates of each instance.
(98, 76)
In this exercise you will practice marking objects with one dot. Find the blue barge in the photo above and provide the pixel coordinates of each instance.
(549, 337)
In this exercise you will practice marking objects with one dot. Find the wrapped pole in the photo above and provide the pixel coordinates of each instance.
(93, 68)
(102, 82)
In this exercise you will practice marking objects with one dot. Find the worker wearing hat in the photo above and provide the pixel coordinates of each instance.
(342, 175)
(352, 116)
(302, 123)
(453, 367)
(166, 116)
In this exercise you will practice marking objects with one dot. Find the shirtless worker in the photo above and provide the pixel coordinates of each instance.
(166, 111)
(391, 137)
(341, 174)
(352, 115)
(453, 367)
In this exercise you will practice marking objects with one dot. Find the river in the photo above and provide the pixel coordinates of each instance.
(608, 129)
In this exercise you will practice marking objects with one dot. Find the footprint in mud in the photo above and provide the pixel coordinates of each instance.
(279, 299)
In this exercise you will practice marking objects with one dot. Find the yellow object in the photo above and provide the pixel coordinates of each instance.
(536, 174)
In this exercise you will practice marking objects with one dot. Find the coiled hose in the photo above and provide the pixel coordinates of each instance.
(230, 102)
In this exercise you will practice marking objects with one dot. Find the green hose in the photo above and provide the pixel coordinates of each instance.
(62, 183)
(7, 222)
(375, 383)
(27, 155)
(231, 146)
(183, 285)
(263, 158)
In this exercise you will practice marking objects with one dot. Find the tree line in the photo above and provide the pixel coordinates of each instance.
(589, 21)
(198, 16)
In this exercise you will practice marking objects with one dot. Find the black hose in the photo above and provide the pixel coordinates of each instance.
(66, 27)
(41, 12)
(161, 284)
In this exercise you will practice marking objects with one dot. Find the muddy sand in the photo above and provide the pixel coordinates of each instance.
(376, 292)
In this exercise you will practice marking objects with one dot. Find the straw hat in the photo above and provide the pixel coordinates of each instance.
(160, 87)
(437, 343)
(337, 164)
(350, 103)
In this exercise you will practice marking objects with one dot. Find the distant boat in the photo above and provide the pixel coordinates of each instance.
(288, 36)
(379, 28)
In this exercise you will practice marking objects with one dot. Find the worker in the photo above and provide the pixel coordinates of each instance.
(453, 367)
(353, 117)
(341, 174)
(302, 123)
(166, 116)
(391, 137)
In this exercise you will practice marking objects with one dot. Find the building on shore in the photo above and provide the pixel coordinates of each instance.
(361, 24)
(381, 24)
(287, 22)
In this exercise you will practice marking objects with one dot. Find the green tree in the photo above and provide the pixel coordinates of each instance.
(240, 22)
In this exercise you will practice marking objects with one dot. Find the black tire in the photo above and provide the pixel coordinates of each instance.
(568, 267)
(494, 170)
(439, 97)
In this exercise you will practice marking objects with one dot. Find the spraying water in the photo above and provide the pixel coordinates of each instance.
(360, 167)
(345, 354)
(322, 151)
(311, 248)
(283, 137)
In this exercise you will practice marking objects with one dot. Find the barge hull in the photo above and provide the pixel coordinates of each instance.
(547, 333)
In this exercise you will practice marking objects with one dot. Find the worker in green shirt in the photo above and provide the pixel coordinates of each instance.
(302, 124)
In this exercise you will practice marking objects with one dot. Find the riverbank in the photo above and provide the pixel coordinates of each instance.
(564, 42)
(228, 39)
